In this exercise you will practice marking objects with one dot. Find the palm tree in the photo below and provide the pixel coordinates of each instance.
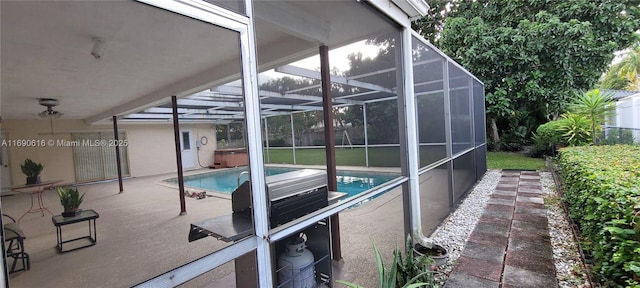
(614, 80)
(594, 105)
(630, 67)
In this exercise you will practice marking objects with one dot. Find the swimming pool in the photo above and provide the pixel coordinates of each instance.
(226, 181)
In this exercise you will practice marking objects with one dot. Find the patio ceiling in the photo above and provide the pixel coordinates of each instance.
(151, 54)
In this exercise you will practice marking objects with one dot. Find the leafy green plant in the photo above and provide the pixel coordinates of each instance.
(547, 138)
(602, 187)
(70, 198)
(30, 168)
(387, 277)
(414, 268)
(595, 106)
(570, 130)
(575, 129)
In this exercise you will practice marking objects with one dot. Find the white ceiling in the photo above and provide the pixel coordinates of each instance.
(149, 54)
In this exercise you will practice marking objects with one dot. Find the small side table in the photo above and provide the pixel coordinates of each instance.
(84, 215)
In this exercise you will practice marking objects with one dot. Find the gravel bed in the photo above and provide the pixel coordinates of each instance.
(452, 234)
(570, 269)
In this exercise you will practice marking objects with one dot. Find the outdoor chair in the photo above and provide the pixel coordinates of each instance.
(14, 244)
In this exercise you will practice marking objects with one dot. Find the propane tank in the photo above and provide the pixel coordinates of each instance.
(295, 265)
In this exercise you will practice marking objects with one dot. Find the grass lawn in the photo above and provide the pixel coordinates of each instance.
(378, 156)
(381, 157)
(390, 157)
(516, 161)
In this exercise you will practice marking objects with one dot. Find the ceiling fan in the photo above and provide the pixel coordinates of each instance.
(49, 113)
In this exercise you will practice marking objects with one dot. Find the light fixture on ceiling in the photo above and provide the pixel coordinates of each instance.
(98, 48)
(49, 113)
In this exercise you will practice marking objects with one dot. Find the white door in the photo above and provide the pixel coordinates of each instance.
(188, 150)
(4, 162)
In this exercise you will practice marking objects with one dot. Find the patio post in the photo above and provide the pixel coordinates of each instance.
(266, 137)
(118, 163)
(448, 129)
(330, 148)
(293, 140)
(366, 138)
(176, 136)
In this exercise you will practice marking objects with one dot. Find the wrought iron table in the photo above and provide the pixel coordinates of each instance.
(84, 215)
(36, 190)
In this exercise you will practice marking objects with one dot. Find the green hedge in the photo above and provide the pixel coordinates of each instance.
(601, 185)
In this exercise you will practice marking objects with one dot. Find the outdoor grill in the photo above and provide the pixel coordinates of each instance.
(291, 195)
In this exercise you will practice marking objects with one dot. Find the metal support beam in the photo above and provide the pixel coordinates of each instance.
(366, 138)
(118, 163)
(297, 71)
(414, 222)
(447, 129)
(330, 148)
(403, 132)
(293, 140)
(266, 138)
(259, 194)
(176, 136)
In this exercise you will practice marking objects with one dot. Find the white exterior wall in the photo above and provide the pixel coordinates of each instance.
(145, 143)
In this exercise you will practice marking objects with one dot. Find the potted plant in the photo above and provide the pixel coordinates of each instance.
(415, 268)
(32, 170)
(70, 199)
(388, 277)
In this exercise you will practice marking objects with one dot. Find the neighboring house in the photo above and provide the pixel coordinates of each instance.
(626, 121)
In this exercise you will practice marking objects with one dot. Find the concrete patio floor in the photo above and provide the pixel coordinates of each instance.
(140, 235)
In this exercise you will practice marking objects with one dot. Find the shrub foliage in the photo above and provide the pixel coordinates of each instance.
(602, 187)
(570, 130)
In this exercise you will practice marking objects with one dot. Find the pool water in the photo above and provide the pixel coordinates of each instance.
(226, 181)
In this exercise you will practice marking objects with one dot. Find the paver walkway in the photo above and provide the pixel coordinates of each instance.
(510, 245)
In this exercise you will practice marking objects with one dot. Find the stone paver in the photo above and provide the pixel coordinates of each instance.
(510, 245)
(522, 278)
(504, 193)
(479, 268)
(464, 280)
(490, 253)
(538, 200)
(488, 239)
(499, 201)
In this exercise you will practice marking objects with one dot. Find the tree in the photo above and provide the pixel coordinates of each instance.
(382, 117)
(533, 55)
(614, 80)
(432, 24)
(280, 126)
(630, 66)
(624, 75)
